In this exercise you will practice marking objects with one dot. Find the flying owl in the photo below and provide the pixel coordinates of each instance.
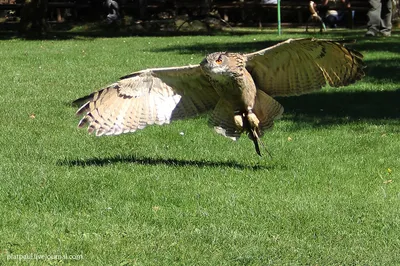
(238, 89)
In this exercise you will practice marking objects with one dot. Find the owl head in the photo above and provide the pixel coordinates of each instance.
(216, 63)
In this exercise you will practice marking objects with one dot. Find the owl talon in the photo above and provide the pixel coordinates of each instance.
(253, 120)
(238, 122)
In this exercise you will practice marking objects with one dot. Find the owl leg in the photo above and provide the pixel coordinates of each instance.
(253, 120)
(253, 129)
(238, 119)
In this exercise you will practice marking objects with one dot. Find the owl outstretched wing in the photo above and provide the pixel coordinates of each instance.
(151, 96)
(299, 66)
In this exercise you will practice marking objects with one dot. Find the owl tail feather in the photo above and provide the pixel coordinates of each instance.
(267, 109)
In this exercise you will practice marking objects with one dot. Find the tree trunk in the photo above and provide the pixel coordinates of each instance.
(34, 17)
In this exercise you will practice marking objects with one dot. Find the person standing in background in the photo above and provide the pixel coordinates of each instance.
(113, 11)
(333, 16)
(379, 18)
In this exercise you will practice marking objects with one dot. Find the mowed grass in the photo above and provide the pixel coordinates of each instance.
(329, 196)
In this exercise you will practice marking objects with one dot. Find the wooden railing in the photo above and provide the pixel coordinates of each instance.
(224, 7)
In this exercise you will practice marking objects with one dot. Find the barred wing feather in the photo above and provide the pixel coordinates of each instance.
(301, 66)
(152, 96)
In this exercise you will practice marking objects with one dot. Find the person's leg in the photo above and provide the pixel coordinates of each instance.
(374, 17)
(331, 20)
(386, 22)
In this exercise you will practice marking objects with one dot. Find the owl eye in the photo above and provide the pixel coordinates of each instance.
(219, 60)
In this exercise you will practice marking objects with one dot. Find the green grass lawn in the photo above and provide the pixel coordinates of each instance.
(329, 196)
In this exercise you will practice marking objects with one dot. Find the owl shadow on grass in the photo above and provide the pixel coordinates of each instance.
(334, 108)
(173, 162)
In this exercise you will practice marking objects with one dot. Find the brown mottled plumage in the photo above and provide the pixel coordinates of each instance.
(237, 87)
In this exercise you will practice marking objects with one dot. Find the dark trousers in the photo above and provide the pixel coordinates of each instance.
(380, 15)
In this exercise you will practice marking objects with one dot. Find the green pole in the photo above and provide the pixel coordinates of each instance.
(279, 18)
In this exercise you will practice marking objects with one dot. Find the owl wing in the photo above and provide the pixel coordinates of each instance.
(299, 66)
(151, 96)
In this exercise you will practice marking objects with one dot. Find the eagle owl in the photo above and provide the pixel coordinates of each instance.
(237, 88)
